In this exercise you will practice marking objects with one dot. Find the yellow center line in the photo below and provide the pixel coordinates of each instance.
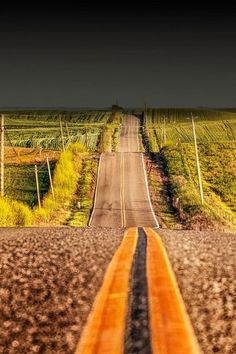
(104, 331)
(170, 327)
(123, 194)
(122, 198)
(121, 191)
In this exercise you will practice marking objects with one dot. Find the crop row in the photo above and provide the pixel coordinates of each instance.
(169, 131)
(218, 171)
(177, 115)
(32, 118)
(37, 130)
(52, 139)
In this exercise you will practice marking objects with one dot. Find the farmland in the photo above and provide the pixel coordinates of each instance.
(20, 183)
(169, 134)
(212, 126)
(32, 136)
(42, 129)
(20, 173)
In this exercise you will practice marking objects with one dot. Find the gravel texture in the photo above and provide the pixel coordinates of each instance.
(49, 279)
(48, 282)
(205, 268)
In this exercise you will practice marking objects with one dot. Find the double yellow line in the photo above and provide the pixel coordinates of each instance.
(170, 328)
(122, 193)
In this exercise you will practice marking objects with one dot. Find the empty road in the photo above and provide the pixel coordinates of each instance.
(122, 196)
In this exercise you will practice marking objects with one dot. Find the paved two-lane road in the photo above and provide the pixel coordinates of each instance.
(122, 197)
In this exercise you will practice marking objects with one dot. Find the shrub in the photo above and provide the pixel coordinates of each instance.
(6, 214)
(41, 215)
(14, 213)
(65, 179)
(22, 214)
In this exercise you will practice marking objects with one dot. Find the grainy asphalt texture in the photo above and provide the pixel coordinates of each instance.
(48, 282)
(49, 279)
(205, 268)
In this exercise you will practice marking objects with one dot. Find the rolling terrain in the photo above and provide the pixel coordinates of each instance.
(127, 283)
(168, 136)
(122, 196)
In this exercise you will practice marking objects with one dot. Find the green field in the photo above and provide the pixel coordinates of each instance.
(20, 182)
(169, 131)
(42, 129)
(211, 126)
(218, 169)
(95, 130)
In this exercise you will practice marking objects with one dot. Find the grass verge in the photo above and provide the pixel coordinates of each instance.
(13, 213)
(82, 202)
(65, 180)
(218, 211)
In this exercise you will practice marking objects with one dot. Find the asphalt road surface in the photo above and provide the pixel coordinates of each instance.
(122, 196)
(49, 278)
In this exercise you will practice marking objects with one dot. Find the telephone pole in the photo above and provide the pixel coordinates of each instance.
(197, 161)
(62, 137)
(2, 156)
(68, 133)
(50, 177)
(37, 185)
(164, 130)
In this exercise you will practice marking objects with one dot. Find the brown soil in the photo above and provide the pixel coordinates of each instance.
(18, 155)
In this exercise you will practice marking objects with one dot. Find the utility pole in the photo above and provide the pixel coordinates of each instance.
(2, 156)
(145, 115)
(50, 177)
(86, 139)
(68, 134)
(164, 130)
(62, 137)
(37, 185)
(197, 160)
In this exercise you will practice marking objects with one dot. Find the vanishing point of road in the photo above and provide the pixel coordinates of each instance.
(122, 197)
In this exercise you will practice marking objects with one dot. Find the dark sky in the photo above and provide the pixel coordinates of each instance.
(86, 56)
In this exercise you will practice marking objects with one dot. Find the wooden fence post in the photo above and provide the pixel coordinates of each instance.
(37, 185)
(50, 178)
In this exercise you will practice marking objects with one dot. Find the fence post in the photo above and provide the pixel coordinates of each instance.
(37, 185)
(50, 178)
(197, 160)
(68, 133)
(62, 137)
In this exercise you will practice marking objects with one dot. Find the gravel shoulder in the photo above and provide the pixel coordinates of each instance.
(205, 268)
(49, 278)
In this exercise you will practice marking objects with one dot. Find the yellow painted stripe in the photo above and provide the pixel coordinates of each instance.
(123, 188)
(170, 327)
(121, 192)
(105, 329)
(122, 197)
